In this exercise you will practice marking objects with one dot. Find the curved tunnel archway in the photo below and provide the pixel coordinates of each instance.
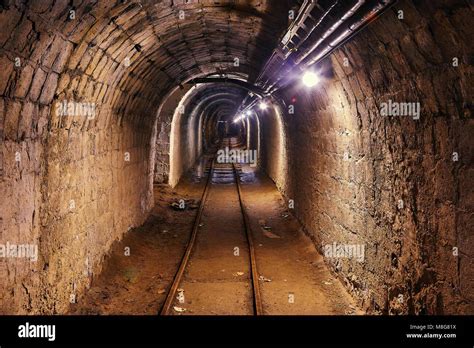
(100, 101)
(194, 124)
(122, 59)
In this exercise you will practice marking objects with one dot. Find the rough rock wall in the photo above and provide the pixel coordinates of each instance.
(397, 185)
(71, 183)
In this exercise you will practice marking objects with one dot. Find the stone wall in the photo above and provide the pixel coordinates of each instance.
(163, 139)
(275, 145)
(71, 184)
(400, 186)
(183, 138)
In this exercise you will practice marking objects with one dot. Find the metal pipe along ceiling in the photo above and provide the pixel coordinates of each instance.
(314, 35)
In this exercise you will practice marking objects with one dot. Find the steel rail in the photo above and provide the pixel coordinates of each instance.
(257, 298)
(184, 261)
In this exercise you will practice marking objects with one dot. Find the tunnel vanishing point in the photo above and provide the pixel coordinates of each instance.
(359, 114)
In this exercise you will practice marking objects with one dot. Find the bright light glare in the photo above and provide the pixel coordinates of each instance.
(238, 118)
(248, 112)
(263, 106)
(310, 79)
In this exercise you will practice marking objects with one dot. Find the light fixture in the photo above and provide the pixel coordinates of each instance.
(263, 105)
(310, 79)
(248, 112)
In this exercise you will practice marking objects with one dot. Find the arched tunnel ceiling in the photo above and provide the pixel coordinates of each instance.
(214, 101)
(206, 94)
(148, 47)
(346, 164)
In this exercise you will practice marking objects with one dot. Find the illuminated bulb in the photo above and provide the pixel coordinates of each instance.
(263, 106)
(310, 79)
(248, 113)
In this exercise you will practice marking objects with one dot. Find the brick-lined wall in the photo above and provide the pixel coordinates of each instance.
(390, 183)
(123, 57)
(74, 185)
(70, 184)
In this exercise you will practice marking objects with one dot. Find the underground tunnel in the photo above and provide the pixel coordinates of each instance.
(236, 157)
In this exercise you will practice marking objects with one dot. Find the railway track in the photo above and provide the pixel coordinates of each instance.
(218, 174)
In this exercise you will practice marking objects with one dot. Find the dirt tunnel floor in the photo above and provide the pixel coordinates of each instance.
(216, 281)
